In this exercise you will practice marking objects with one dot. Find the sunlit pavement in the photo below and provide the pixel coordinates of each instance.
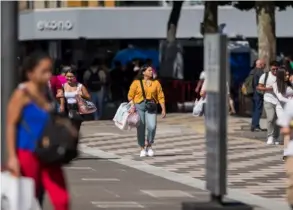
(176, 173)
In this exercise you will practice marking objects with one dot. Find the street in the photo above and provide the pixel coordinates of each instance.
(110, 173)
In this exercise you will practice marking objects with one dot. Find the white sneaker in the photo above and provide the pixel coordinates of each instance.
(277, 143)
(150, 152)
(270, 141)
(142, 153)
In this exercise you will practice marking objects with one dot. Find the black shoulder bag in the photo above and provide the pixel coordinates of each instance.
(150, 105)
(59, 141)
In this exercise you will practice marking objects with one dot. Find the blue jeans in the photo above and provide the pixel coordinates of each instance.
(98, 99)
(257, 109)
(147, 121)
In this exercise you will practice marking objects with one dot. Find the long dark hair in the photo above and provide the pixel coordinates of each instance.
(139, 76)
(30, 62)
(70, 70)
(281, 83)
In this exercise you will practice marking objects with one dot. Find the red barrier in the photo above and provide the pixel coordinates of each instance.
(178, 91)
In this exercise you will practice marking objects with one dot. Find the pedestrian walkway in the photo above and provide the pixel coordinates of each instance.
(99, 183)
(239, 126)
(253, 166)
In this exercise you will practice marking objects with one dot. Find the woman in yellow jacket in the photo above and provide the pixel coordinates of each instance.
(145, 103)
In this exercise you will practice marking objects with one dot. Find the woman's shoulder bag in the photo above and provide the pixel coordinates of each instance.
(59, 140)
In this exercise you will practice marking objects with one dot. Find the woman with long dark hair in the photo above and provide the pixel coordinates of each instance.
(71, 89)
(283, 90)
(144, 94)
(28, 107)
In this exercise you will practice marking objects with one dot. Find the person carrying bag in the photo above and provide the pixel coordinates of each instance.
(144, 94)
(37, 140)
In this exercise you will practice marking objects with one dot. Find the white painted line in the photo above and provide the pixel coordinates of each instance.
(118, 204)
(101, 179)
(234, 194)
(79, 168)
(167, 193)
(105, 134)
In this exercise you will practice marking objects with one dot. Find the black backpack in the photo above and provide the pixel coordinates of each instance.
(94, 81)
(59, 141)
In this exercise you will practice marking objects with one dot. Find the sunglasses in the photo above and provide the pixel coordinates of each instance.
(274, 69)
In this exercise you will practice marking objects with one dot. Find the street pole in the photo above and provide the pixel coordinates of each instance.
(9, 67)
(217, 74)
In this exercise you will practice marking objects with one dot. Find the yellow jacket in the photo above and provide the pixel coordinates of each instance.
(153, 92)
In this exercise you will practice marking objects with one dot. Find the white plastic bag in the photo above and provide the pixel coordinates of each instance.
(18, 193)
(198, 107)
(121, 116)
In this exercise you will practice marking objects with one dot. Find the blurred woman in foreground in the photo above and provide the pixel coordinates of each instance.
(28, 111)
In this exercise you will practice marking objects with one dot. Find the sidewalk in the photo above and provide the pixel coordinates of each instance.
(255, 172)
(236, 126)
(97, 183)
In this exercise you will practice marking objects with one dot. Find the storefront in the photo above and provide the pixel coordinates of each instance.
(136, 23)
(84, 29)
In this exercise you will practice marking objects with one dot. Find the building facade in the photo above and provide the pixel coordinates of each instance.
(43, 20)
(99, 27)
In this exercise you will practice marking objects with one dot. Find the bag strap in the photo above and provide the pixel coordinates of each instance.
(142, 89)
(266, 78)
(79, 86)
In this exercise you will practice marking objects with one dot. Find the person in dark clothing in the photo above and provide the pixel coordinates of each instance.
(257, 98)
(95, 79)
(117, 79)
(80, 71)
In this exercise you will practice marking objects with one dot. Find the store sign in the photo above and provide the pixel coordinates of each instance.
(54, 25)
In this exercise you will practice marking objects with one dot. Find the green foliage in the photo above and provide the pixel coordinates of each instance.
(223, 3)
(282, 5)
(248, 5)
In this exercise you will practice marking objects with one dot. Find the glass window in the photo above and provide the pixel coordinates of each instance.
(47, 4)
(101, 3)
(29, 4)
(84, 3)
(59, 4)
(139, 3)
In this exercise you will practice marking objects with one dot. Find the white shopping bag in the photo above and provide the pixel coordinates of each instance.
(121, 116)
(18, 193)
(198, 107)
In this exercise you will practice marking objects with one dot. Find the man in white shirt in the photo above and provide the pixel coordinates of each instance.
(266, 82)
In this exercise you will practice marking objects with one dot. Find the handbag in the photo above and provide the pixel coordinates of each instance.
(198, 108)
(18, 193)
(133, 120)
(150, 105)
(59, 140)
(58, 143)
(121, 116)
(85, 106)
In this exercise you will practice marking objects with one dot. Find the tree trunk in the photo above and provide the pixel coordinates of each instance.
(265, 18)
(210, 19)
(170, 51)
(173, 20)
